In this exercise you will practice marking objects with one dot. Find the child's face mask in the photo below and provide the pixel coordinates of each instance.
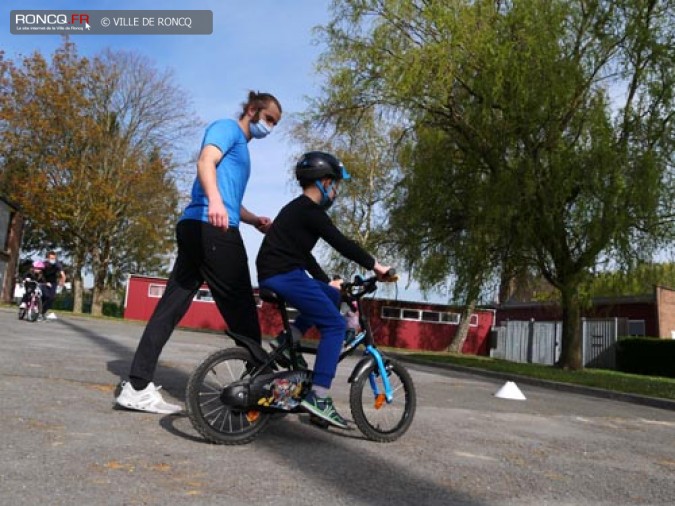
(326, 200)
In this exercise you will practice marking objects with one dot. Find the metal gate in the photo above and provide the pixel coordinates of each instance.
(541, 342)
(528, 341)
(599, 336)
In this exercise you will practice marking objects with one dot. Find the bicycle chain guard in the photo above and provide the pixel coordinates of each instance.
(280, 391)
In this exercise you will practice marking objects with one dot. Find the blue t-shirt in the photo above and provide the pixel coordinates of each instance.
(232, 172)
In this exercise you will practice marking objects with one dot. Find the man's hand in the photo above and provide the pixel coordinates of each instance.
(264, 224)
(217, 215)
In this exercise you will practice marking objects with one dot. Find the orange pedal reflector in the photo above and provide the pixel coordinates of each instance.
(252, 416)
(379, 401)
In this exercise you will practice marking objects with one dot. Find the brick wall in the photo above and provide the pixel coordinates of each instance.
(665, 299)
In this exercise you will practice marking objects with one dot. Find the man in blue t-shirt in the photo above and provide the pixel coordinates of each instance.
(210, 247)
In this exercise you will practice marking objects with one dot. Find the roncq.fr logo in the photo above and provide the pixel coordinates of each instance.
(50, 19)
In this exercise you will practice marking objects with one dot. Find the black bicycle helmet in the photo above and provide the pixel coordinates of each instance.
(317, 165)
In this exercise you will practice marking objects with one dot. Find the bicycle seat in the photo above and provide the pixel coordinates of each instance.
(271, 296)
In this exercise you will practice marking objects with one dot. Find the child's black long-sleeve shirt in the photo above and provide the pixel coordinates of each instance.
(294, 233)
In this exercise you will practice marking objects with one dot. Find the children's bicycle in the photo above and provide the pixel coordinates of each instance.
(33, 306)
(232, 395)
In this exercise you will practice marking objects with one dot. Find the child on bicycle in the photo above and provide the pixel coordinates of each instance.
(285, 259)
(33, 278)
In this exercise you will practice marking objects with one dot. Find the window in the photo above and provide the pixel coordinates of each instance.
(452, 318)
(204, 295)
(473, 320)
(156, 291)
(636, 327)
(292, 313)
(427, 316)
(411, 314)
(431, 316)
(391, 312)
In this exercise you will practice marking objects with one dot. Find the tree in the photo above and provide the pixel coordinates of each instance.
(367, 153)
(639, 281)
(87, 153)
(541, 131)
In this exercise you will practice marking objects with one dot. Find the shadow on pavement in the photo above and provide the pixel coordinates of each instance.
(361, 476)
(365, 478)
(172, 380)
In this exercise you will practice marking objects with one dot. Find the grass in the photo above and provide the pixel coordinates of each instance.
(651, 386)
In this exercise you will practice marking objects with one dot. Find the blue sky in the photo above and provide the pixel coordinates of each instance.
(266, 45)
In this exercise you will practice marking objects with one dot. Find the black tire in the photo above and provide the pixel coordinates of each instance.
(383, 422)
(215, 421)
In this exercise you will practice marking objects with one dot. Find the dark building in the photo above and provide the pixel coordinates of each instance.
(11, 230)
(650, 315)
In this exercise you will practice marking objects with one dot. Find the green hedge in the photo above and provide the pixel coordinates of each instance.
(64, 302)
(640, 355)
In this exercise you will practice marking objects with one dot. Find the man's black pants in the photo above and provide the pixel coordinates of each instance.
(205, 254)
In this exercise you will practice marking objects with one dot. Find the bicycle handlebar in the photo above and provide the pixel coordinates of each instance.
(368, 285)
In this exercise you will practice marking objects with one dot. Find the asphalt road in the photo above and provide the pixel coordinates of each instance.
(63, 443)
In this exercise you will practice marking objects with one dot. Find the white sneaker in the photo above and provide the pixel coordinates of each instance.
(148, 399)
(52, 316)
(22, 305)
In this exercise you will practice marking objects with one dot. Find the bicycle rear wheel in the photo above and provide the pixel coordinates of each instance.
(217, 422)
(377, 419)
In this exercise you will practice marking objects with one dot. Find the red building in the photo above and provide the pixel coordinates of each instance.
(398, 324)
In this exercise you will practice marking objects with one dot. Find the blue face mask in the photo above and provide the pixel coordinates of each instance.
(326, 201)
(259, 129)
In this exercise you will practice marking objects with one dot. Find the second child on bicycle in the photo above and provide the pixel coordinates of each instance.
(31, 280)
(285, 263)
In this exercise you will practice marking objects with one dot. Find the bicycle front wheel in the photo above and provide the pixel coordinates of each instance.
(217, 422)
(34, 310)
(376, 418)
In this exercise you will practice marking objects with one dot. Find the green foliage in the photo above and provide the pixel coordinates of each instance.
(641, 279)
(368, 155)
(87, 153)
(64, 302)
(652, 357)
(539, 133)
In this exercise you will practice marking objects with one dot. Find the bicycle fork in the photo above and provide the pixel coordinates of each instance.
(380, 396)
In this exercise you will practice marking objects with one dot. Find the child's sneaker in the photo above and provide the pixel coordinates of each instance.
(149, 399)
(323, 408)
(281, 339)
